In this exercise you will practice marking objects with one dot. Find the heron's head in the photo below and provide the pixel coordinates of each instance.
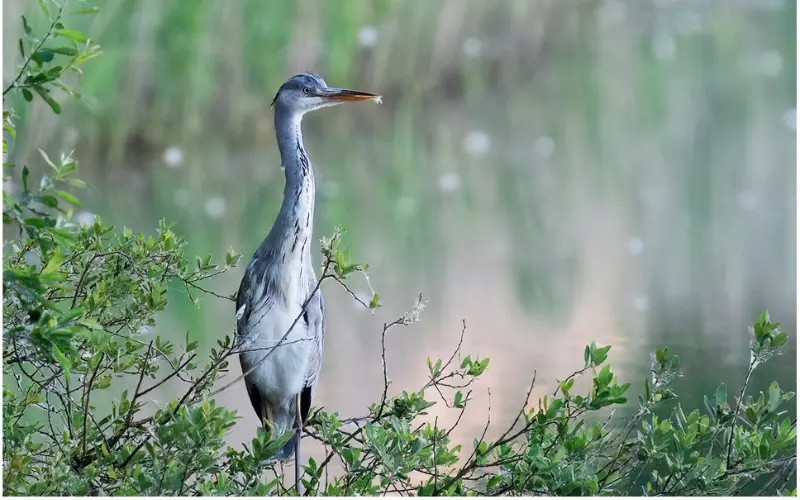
(307, 92)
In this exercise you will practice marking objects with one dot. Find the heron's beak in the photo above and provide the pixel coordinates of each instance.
(346, 95)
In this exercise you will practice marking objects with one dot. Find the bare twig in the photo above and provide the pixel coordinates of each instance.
(505, 437)
(386, 327)
(168, 377)
(352, 293)
(435, 458)
(270, 347)
(88, 395)
(461, 414)
(136, 393)
(472, 460)
(573, 375)
(739, 402)
(458, 346)
(209, 292)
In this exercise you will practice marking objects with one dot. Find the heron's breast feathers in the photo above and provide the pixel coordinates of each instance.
(263, 318)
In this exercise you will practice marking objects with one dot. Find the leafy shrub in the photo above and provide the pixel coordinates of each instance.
(79, 301)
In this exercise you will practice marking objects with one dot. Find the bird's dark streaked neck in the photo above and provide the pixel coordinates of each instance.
(295, 219)
(288, 132)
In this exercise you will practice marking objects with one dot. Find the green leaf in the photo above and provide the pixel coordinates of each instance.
(35, 222)
(604, 377)
(103, 382)
(49, 200)
(44, 8)
(774, 396)
(721, 395)
(64, 51)
(44, 55)
(91, 10)
(63, 234)
(28, 31)
(55, 262)
(47, 159)
(599, 355)
(491, 483)
(25, 173)
(49, 100)
(62, 360)
(37, 58)
(554, 407)
(69, 198)
(27, 95)
(73, 35)
(375, 302)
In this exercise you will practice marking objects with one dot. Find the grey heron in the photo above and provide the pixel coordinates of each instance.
(281, 369)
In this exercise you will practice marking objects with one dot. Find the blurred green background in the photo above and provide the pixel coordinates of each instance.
(551, 171)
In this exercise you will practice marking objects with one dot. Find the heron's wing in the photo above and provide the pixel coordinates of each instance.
(314, 318)
(243, 310)
(255, 400)
(243, 306)
(251, 301)
(255, 297)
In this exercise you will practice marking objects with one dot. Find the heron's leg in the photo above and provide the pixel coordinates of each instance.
(299, 426)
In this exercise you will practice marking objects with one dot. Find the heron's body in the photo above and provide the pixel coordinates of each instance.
(281, 369)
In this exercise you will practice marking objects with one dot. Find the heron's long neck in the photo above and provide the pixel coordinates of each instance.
(293, 226)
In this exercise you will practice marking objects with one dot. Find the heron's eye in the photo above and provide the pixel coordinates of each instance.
(306, 90)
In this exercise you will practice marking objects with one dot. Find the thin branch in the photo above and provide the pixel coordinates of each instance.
(209, 292)
(573, 375)
(270, 347)
(352, 293)
(739, 407)
(46, 37)
(435, 458)
(168, 377)
(504, 438)
(473, 458)
(87, 396)
(461, 414)
(136, 392)
(386, 328)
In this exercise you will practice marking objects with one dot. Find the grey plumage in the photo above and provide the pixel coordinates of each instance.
(280, 277)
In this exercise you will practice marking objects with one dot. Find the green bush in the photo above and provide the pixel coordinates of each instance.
(77, 363)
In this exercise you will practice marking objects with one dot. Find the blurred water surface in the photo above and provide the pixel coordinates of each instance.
(550, 172)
